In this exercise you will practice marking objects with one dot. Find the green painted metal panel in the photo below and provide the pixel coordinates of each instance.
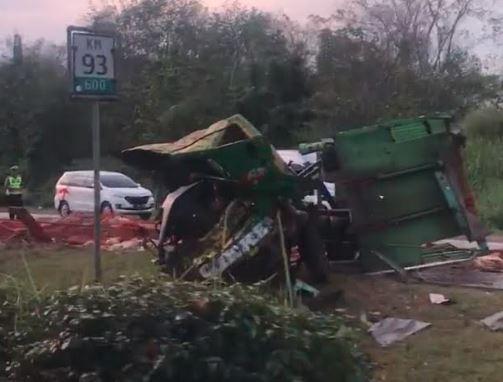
(389, 175)
(408, 132)
(402, 243)
(373, 150)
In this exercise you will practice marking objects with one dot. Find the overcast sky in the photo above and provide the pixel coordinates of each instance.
(49, 18)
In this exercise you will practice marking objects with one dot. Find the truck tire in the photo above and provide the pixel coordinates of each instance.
(312, 252)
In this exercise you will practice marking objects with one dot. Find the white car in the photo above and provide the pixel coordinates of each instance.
(119, 194)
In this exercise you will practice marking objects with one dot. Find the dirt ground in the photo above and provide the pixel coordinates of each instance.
(454, 349)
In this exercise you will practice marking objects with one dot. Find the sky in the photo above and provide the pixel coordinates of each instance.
(49, 18)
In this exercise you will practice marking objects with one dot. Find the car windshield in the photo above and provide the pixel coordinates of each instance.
(117, 181)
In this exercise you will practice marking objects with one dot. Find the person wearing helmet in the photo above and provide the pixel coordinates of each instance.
(14, 191)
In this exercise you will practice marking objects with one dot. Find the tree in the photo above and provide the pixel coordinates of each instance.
(39, 127)
(391, 58)
(182, 67)
(186, 68)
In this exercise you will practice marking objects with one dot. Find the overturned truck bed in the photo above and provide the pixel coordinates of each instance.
(405, 184)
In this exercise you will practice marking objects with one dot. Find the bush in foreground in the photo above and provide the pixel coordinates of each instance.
(162, 331)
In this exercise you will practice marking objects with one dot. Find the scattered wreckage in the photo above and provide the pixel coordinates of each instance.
(375, 197)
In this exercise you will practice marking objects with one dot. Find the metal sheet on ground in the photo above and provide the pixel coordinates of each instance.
(392, 329)
(494, 322)
(461, 274)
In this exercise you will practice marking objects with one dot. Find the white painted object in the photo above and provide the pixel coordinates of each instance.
(439, 299)
(241, 247)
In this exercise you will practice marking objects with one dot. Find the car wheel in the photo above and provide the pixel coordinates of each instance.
(106, 209)
(145, 216)
(64, 209)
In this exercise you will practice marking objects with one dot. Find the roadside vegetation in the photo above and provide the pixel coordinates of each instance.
(146, 327)
(183, 67)
(484, 161)
(455, 348)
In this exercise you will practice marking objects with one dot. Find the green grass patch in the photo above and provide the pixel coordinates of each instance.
(53, 269)
(484, 161)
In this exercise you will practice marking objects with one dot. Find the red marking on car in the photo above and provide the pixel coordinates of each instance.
(63, 192)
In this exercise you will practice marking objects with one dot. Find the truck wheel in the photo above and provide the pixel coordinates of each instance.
(312, 252)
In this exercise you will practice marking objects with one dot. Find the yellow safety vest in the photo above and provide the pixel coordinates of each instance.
(14, 184)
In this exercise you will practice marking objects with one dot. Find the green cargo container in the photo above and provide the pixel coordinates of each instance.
(405, 185)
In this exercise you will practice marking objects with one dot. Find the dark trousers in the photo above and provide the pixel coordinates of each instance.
(14, 201)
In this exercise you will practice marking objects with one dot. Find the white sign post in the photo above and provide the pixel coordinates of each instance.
(91, 65)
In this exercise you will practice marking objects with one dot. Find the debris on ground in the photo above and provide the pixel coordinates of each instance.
(438, 299)
(76, 230)
(466, 274)
(494, 322)
(391, 330)
(301, 287)
(490, 263)
(172, 332)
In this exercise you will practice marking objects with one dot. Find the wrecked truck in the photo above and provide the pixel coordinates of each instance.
(232, 209)
(236, 209)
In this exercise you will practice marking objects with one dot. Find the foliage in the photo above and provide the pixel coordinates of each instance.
(183, 67)
(485, 172)
(484, 129)
(38, 124)
(394, 59)
(484, 123)
(171, 332)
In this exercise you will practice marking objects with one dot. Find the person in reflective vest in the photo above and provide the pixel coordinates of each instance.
(14, 191)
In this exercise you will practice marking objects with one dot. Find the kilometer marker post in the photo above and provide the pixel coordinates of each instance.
(97, 191)
(92, 71)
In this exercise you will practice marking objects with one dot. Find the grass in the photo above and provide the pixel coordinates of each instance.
(484, 162)
(485, 171)
(61, 268)
(455, 349)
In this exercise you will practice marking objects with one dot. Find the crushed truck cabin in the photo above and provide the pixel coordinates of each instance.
(399, 186)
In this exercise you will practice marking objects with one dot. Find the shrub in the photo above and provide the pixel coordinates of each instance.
(162, 331)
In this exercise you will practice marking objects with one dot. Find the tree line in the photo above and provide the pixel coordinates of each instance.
(183, 67)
